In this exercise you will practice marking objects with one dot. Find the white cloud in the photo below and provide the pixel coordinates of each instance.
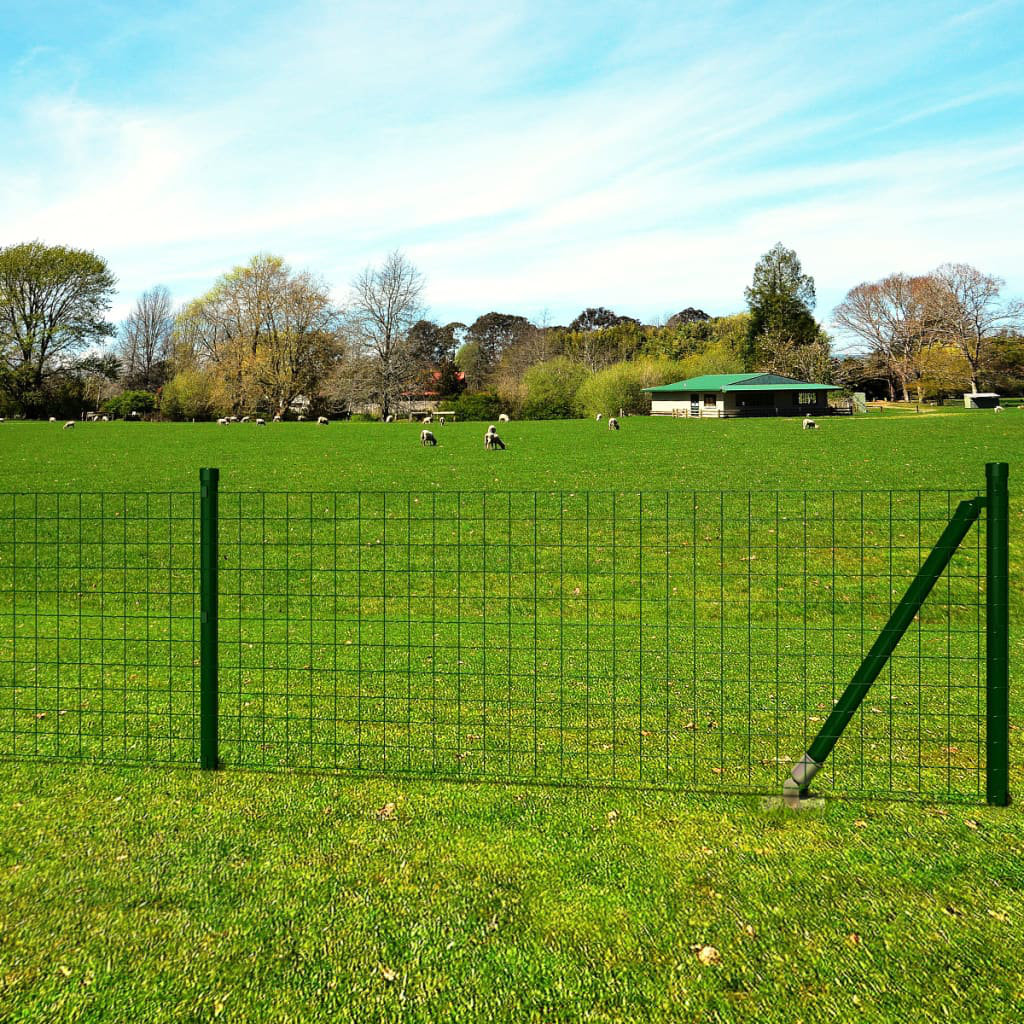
(515, 178)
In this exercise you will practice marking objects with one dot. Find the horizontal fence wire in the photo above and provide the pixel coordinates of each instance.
(98, 626)
(689, 639)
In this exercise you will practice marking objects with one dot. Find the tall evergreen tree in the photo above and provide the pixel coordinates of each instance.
(781, 299)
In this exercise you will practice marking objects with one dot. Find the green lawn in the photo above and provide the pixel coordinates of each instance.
(150, 893)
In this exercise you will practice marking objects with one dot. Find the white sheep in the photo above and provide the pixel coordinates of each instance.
(245, 419)
(277, 418)
(599, 417)
(503, 418)
(300, 419)
(106, 419)
(70, 425)
(53, 419)
(998, 408)
(260, 422)
(222, 422)
(491, 440)
(492, 429)
(427, 437)
(440, 420)
(389, 419)
(323, 421)
(428, 419)
(809, 424)
(613, 423)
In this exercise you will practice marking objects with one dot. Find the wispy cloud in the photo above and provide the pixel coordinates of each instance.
(528, 157)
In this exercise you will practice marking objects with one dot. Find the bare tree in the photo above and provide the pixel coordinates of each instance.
(144, 340)
(965, 312)
(892, 317)
(384, 305)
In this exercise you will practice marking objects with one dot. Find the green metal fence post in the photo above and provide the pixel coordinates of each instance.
(208, 559)
(997, 635)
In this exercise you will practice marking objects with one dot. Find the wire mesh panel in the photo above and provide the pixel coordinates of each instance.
(690, 639)
(98, 626)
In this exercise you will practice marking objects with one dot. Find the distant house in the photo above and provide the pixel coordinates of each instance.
(724, 395)
(425, 397)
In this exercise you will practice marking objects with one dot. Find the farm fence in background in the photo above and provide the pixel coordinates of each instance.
(695, 639)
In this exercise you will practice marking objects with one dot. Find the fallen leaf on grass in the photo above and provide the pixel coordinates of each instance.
(853, 939)
(749, 929)
(387, 812)
(971, 823)
(42, 714)
(707, 955)
(998, 915)
(388, 974)
(613, 816)
(860, 823)
(66, 971)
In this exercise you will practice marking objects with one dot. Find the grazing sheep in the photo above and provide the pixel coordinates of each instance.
(503, 418)
(222, 422)
(260, 422)
(106, 419)
(427, 437)
(277, 419)
(70, 425)
(613, 423)
(492, 429)
(491, 440)
(998, 408)
(441, 420)
(323, 421)
(428, 419)
(53, 419)
(245, 419)
(599, 417)
(809, 424)
(389, 419)
(300, 419)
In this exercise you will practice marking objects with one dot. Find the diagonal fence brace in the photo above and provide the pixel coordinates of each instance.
(903, 614)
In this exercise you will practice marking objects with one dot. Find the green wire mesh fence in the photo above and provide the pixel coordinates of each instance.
(689, 639)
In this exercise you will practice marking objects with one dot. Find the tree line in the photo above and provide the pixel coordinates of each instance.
(267, 338)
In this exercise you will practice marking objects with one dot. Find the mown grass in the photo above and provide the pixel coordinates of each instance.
(155, 894)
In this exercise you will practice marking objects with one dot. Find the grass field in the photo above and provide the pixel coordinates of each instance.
(152, 894)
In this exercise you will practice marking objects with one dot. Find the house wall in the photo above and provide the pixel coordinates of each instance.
(680, 404)
(735, 402)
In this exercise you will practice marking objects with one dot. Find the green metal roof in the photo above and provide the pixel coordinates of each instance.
(740, 382)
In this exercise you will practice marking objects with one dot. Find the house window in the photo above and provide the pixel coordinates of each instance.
(711, 400)
(807, 398)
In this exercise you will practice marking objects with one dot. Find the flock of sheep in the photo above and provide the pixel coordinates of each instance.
(427, 437)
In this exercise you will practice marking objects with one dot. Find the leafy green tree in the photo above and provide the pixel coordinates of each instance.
(53, 301)
(492, 333)
(130, 403)
(781, 299)
(187, 396)
(622, 386)
(690, 315)
(597, 318)
(551, 389)
(479, 406)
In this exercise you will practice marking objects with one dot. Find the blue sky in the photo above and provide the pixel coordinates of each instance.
(529, 157)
